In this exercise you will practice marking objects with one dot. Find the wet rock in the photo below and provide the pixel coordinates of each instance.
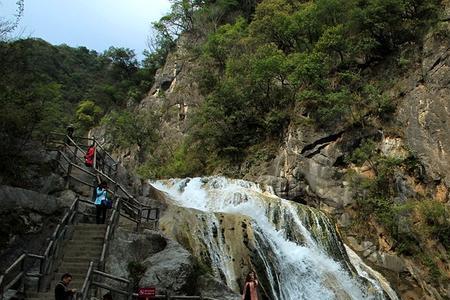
(279, 184)
(353, 243)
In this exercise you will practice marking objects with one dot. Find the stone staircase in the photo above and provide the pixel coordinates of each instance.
(84, 247)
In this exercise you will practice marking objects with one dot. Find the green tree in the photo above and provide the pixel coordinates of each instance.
(130, 129)
(88, 114)
(123, 62)
(8, 26)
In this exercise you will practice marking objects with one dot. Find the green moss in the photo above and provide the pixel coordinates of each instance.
(136, 271)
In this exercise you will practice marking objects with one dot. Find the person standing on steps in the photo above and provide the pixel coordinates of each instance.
(62, 291)
(69, 131)
(251, 283)
(100, 202)
(89, 156)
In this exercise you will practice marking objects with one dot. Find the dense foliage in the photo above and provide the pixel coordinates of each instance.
(409, 218)
(45, 87)
(300, 60)
(266, 64)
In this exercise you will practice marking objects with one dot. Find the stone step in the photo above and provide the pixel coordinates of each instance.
(88, 246)
(73, 265)
(90, 226)
(83, 252)
(80, 258)
(88, 236)
(76, 274)
(76, 283)
(90, 231)
(50, 295)
(87, 243)
(81, 233)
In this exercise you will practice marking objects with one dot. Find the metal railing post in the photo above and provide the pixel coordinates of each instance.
(22, 269)
(138, 224)
(42, 272)
(75, 152)
(1, 287)
(130, 291)
(69, 170)
(95, 152)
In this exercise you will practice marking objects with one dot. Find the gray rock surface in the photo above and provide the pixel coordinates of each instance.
(425, 109)
(129, 246)
(391, 262)
(211, 287)
(52, 184)
(168, 265)
(304, 169)
(13, 198)
(169, 269)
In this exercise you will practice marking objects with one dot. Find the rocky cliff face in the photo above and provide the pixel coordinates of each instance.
(425, 107)
(309, 166)
(309, 163)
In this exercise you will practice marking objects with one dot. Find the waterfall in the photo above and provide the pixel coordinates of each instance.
(297, 253)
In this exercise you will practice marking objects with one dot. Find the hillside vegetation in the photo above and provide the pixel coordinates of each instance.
(267, 64)
(43, 88)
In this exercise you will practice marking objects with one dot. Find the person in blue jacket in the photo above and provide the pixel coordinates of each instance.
(100, 203)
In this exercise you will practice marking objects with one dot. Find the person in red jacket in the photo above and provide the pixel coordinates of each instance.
(251, 283)
(89, 157)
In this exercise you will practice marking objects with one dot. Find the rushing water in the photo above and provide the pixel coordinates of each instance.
(299, 248)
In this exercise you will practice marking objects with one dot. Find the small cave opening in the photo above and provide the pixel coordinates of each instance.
(340, 162)
(165, 84)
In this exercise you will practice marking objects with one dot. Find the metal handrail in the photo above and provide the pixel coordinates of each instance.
(90, 282)
(47, 260)
(137, 207)
(109, 233)
(54, 246)
(86, 284)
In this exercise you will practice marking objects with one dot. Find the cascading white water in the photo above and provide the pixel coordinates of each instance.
(299, 263)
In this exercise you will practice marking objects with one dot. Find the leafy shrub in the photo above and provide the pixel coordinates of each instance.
(136, 271)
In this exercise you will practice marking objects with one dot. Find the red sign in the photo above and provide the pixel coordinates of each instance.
(149, 292)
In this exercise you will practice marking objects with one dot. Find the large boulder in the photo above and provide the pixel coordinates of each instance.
(168, 266)
(208, 286)
(27, 219)
(13, 198)
(169, 269)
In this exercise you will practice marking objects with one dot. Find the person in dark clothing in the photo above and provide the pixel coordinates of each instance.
(62, 292)
(70, 130)
(107, 296)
